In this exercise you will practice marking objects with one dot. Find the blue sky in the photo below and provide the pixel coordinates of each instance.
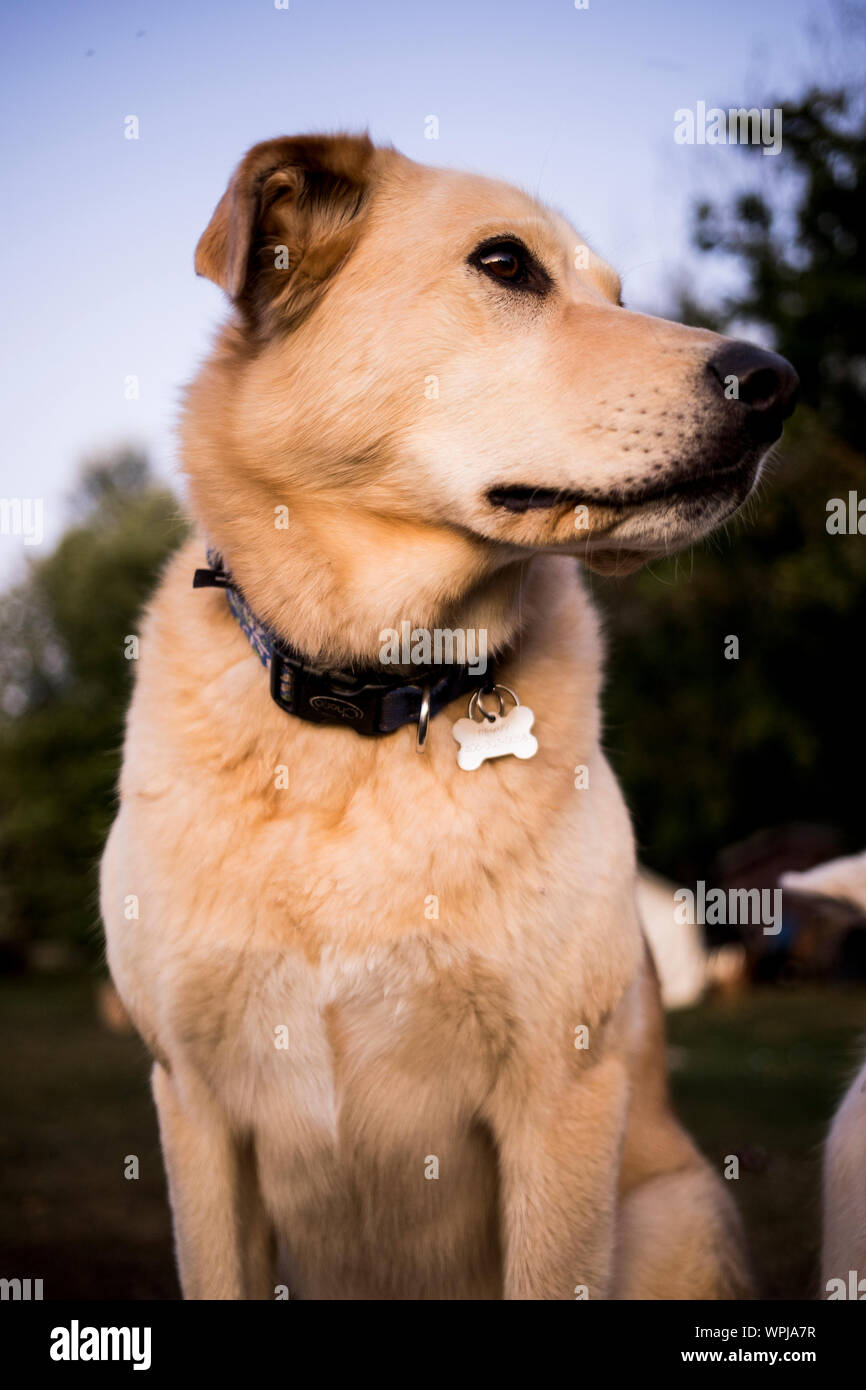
(98, 231)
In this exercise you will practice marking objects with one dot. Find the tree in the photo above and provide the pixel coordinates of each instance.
(712, 749)
(64, 686)
(804, 255)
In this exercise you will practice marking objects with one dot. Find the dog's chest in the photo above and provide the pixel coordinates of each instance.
(329, 1050)
(359, 1083)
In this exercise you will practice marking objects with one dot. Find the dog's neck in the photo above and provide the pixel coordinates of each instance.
(418, 671)
(333, 606)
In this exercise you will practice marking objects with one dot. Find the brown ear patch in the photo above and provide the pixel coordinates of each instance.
(290, 216)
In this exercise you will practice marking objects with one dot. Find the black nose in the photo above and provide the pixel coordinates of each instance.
(762, 381)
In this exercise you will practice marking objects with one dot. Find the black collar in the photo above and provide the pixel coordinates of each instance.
(358, 698)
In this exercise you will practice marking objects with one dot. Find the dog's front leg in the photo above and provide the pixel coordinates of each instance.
(222, 1239)
(558, 1160)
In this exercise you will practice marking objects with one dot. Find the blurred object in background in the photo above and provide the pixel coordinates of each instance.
(844, 1194)
(65, 664)
(686, 967)
(677, 948)
(726, 969)
(110, 1009)
(835, 894)
(843, 879)
(822, 936)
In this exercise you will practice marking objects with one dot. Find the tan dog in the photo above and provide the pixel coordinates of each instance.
(404, 1027)
(843, 1252)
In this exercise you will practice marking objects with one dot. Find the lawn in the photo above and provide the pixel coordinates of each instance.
(76, 1102)
(757, 1077)
(760, 1077)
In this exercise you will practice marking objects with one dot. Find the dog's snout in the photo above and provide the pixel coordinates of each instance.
(765, 383)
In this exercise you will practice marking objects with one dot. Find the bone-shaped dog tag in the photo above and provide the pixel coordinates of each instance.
(495, 735)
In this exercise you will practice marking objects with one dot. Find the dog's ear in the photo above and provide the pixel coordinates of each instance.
(291, 214)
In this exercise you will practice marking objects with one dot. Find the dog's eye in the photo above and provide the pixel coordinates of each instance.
(503, 262)
(508, 261)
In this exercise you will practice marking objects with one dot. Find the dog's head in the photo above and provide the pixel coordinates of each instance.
(430, 364)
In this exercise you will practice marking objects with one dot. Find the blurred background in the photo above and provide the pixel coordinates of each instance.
(736, 770)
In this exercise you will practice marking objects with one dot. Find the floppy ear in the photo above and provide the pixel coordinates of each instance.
(291, 214)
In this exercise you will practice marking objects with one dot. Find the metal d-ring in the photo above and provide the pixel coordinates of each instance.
(423, 720)
(475, 700)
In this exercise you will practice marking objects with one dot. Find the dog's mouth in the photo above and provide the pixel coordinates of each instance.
(521, 497)
(621, 528)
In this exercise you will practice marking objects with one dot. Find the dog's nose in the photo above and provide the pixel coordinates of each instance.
(765, 383)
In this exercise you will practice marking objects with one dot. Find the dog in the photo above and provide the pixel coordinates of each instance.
(407, 1039)
(843, 1247)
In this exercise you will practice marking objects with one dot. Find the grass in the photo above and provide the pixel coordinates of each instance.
(761, 1077)
(758, 1077)
(76, 1101)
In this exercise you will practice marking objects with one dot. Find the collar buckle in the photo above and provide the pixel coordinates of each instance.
(324, 697)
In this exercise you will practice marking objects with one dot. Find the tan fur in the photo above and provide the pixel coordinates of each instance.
(844, 1187)
(844, 1235)
(411, 1036)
